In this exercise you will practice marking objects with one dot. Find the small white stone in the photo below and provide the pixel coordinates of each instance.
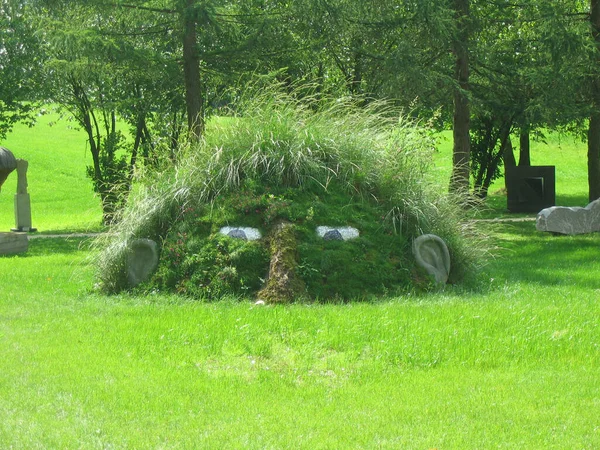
(252, 234)
(346, 232)
(259, 302)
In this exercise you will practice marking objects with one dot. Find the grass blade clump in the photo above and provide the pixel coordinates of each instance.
(309, 162)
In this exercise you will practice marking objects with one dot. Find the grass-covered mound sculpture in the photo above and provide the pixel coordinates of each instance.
(291, 199)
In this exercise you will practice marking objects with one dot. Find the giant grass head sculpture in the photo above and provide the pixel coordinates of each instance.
(331, 194)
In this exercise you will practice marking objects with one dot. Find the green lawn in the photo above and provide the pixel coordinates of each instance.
(62, 197)
(512, 364)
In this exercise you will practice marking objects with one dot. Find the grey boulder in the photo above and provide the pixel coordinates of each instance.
(570, 220)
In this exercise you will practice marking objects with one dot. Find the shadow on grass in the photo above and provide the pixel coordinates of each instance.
(528, 255)
(495, 205)
(54, 246)
(572, 200)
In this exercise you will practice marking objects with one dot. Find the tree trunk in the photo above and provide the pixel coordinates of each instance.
(524, 149)
(459, 181)
(498, 158)
(593, 154)
(140, 128)
(508, 157)
(191, 73)
(593, 157)
(508, 154)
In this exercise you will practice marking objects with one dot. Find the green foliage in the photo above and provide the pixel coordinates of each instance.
(19, 63)
(113, 185)
(200, 263)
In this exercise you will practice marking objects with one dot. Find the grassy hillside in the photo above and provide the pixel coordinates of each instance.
(61, 195)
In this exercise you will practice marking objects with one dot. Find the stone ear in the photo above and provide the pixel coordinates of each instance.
(431, 253)
(142, 260)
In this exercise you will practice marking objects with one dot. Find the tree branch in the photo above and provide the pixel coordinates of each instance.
(144, 8)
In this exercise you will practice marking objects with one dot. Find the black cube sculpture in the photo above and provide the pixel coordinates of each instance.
(530, 188)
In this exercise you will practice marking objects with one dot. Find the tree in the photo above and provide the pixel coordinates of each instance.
(594, 124)
(520, 79)
(18, 65)
(459, 181)
(85, 81)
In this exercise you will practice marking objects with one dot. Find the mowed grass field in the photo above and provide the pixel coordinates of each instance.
(62, 197)
(511, 363)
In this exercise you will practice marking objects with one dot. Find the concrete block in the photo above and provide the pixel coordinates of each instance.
(13, 243)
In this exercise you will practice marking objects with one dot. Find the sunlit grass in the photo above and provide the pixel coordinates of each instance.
(62, 197)
(513, 365)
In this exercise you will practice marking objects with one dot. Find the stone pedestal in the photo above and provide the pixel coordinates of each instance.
(23, 213)
(12, 243)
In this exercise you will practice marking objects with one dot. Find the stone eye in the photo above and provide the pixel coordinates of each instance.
(333, 235)
(337, 233)
(244, 233)
(238, 234)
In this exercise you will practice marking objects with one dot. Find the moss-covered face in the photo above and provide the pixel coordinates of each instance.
(229, 248)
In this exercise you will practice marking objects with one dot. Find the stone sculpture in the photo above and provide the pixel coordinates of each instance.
(22, 199)
(238, 234)
(22, 184)
(10, 243)
(337, 233)
(431, 254)
(570, 220)
(333, 235)
(244, 233)
(142, 261)
(8, 163)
